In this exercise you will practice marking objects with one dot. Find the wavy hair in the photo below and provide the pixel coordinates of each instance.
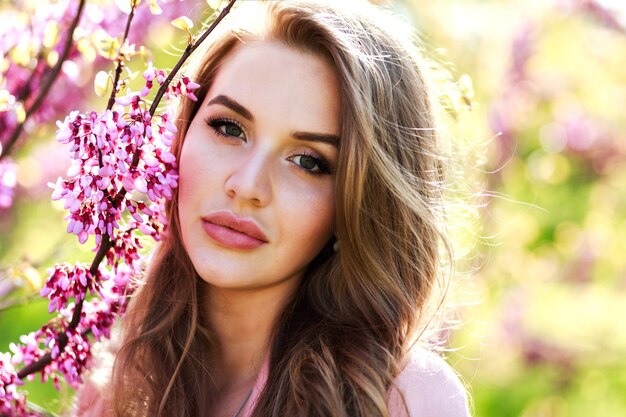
(341, 340)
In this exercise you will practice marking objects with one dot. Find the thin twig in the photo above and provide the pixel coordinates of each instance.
(25, 91)
(188, 51)
(47, 358)
(118, 71)
(120, 63)
(45, 88)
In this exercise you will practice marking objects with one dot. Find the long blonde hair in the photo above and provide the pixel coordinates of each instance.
(341, 341)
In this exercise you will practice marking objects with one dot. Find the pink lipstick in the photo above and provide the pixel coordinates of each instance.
(234, 232)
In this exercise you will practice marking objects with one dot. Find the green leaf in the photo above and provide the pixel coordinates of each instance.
(183, 23)
(102, 83)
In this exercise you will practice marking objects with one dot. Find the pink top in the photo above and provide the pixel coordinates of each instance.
(431, 388)
(429, 385)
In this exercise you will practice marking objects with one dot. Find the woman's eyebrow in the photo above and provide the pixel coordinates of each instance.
(317, 137)
(233, 105)
(306, 136)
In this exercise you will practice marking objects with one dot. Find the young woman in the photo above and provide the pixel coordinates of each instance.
(304, 237)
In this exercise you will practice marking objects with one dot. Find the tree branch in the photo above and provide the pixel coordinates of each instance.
(25, 91)
(47, 358)
(45, 88)
(188, 51)
(62, 340)
(120, 64)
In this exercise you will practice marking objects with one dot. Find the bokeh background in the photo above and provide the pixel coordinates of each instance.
(542, 301)
(546, 335)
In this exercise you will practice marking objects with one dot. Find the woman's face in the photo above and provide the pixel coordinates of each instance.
(256, 201)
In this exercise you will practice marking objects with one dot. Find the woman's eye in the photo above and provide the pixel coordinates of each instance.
(310, 164)
(232, 130)
(227, 128)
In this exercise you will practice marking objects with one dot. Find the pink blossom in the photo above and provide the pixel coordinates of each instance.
(11, 401)
(114, 153)
(66, 281)
(70, 361)
(184, 87)
(190, 87)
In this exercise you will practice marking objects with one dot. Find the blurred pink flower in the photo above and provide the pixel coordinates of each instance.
(8, 179)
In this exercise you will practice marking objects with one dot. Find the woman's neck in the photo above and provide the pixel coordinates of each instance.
(243, 321)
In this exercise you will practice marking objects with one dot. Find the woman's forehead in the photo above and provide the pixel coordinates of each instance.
(272, 79)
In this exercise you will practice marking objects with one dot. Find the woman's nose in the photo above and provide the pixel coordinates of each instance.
(249, 181)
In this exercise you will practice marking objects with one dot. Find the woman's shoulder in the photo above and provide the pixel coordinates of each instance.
(429, 387)
(90, 401)
(92, 398)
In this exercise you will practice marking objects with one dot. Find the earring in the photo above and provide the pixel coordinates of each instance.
(336, 246)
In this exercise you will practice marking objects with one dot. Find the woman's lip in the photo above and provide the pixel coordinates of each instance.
(230, 238)
(232, 231)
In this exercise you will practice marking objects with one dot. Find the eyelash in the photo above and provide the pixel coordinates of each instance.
(216, 123)
(322, 165)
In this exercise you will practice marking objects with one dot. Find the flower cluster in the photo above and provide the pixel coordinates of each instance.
(66, 282)
(115, 154)
(99, 313)
(69, 360)
(11, 401)
(184, 86)
(113, 285)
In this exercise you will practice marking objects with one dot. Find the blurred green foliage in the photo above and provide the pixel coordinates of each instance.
(542, 332)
